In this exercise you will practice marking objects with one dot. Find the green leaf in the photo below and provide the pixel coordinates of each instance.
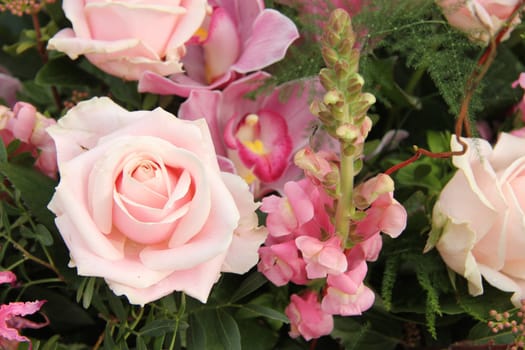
(249, 285)
(88, 292)
(36, 189)
(141, 344)
(3, 152)
(43, 235)
(196, 336)
(157, 328)
(355, 335)
(264, 311)
(63, 72)
(228, 331)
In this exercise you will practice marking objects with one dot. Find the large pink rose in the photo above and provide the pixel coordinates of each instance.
(125, 38)
(480, 215)
(142, 203)
(480, 19)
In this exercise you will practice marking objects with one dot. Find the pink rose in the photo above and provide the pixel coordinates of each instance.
(142, 203)
(236, 38)
(24, 123)
(125, 38)
(480, 215)
(306, 317)
(479, 19)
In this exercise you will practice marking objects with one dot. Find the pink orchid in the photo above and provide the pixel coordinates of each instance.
(307, 318)
(281, 263)
(346, 294)
(237, 38)
(322, 257)
(10, 317)
(27, 125)
(260, 136)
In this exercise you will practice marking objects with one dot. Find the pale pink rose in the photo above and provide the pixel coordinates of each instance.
(142, 202)
(24, 123)
(281, 263)
(480, 19)
(260, 136)
(125, 38)
(307, 319)
(480, 215)
(237, 38)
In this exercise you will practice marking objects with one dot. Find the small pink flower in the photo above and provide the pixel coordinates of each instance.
(237, 38)
(260, 136)
(346, 295)
(302, 211)
(287, 214)
(281, 263)
(307, 318)
(27, 125)
(322, 257)
(7, 277)
(385, 215)
(10, 317)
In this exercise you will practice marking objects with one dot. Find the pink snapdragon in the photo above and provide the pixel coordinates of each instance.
(238, 37)
(302, 245)
(259, 136)
(27, 125)
(384, 213)
(346, 294)
(322, 258)
(307, 318)
(11, 320)
(281, 263)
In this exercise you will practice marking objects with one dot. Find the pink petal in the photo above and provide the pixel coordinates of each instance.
(263, 47)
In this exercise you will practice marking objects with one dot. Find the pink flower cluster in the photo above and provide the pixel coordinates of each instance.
(27, 125)
(302, 246)
(11, 320)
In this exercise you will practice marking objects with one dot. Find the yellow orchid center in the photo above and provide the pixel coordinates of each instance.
(248, 134)
(202, 34)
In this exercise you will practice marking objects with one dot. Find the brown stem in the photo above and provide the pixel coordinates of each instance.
(463, 122)
(43, 55)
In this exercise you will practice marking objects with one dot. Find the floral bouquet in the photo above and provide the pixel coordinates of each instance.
(292, 174)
